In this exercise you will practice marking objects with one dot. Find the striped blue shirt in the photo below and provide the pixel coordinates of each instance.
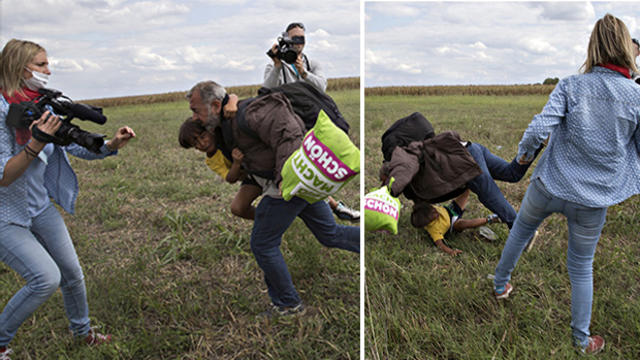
(593, 155)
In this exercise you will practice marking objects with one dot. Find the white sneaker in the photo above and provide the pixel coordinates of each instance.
(344, 212)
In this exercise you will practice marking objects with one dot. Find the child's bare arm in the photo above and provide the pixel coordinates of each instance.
(453, 252)
(235, 172)
(463, 224)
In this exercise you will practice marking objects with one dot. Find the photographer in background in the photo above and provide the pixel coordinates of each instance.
(281, 72)
(34, 240)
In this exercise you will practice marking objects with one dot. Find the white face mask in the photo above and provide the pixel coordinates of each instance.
(37, 81)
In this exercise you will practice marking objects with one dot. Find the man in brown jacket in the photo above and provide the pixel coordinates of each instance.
(267, 131)
(440, 168)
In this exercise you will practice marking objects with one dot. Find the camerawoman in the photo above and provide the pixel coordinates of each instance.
(34, 240)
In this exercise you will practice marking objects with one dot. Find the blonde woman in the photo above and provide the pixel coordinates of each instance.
(591, 163)
(34, 240)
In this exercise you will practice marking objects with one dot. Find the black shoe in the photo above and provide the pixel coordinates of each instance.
(344, 212)
(275, 310)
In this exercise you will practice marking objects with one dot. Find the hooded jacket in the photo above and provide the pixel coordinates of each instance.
(273, 132)
(432, 169)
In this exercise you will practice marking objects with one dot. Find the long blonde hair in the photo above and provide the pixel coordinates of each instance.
(14, 58)
(610, 43)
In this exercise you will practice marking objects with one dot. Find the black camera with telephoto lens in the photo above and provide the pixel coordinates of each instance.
(285, 48)
(21, 115)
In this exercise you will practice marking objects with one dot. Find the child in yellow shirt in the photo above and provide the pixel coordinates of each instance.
(440, 220)
(194, 134)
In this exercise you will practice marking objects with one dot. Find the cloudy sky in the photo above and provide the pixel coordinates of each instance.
(459, 43)
(106, 48)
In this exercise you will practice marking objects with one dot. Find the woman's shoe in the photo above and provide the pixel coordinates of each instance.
(94, 338)
(504, 292)
(4, 353)
(596, 344)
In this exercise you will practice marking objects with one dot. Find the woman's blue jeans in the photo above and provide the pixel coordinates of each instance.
(585, 226)
(273, 218)
(45, 257)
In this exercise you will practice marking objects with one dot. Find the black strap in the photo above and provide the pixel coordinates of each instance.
(43, 136)
(225, 100)
(306, 61)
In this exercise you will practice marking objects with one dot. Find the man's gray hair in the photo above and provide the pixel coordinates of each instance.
(209, 91)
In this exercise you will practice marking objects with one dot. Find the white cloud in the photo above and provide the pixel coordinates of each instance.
(483, 42)
(173, 43)
(409, 69)
(371, 57)
(320, 33)
(144, 58)
(444, 50)
(90, 65)
(65, 65)
(324, 45)
(478, 45)
(396, 9)
(567, 11)
(537, 45)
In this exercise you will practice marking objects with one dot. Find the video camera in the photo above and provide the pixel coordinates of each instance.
(21, 115)
(285, 48)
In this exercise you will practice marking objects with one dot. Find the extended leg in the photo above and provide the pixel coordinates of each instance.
(273, 218)
(241, 204)
(51, 232)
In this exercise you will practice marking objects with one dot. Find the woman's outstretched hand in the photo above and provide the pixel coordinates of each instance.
(121, 138)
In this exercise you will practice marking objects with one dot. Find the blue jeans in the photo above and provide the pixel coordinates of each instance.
(494, 168)
(585, 226)
(273, 217)
(45, 257)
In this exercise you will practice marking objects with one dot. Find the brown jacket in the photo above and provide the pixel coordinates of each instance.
(429, 169)
(277, 133)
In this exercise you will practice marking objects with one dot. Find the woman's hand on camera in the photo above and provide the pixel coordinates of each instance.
(121, 138)
(48, 124)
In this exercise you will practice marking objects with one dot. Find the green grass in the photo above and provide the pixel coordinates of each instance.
(423, 304)
(169, 270)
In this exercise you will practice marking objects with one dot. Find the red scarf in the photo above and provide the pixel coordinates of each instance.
(622, 70)
(22, 135)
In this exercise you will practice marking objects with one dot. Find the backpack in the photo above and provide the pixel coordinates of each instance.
(306, 100)
(414, 127)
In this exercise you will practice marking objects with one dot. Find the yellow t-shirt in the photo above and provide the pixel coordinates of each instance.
(439, 227)
(219, 164)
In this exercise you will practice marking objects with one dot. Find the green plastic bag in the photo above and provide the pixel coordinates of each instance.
(381, 210)
(324, 163)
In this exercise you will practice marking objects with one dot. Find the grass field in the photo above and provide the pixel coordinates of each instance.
(423, 304)
(169, 270)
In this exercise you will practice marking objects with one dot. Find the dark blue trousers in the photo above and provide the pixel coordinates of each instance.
(273, 218)
(495, 168)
